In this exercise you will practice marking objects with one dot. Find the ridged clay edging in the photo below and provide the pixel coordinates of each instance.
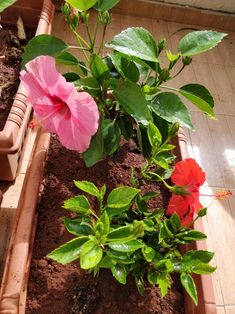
(14, 283)
(13, 133)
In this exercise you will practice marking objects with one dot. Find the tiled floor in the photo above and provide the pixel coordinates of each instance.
(212, 144)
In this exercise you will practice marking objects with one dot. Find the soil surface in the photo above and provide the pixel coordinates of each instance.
(11, 49)
(54, 288)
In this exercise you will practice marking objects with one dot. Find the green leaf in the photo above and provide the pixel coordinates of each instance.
(164, 234)
(111, 135)
(139, 281)
(5, 4)
(137, 42)
(43, 45)
(69, 251)
(119, 272)
(126, 127)
(163, 281)
(66, 58)
(105, 5)
(120, 257)
(154, 135)
(90, 85)
(129, 246)
(104, 218)
(122, 233)
(193, 235)
(96, 150)
(199, 41)
(121, 196)
(127, 68)
(148, 253)
(152, 277)
(131, 97)
(193, 258)
(77, 227)
(200, 97)
(91, 254)
(189, 285)
(82, 5)
(98, 67)
(175, 222)
(106, 262)
(71, 76)
(87, 187)
(78, 204)
(203, 269)
(169, 107)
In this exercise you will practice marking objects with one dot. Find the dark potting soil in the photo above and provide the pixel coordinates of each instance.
(59, 289)
(11, 50)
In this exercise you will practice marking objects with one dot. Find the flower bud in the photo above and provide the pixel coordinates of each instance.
(187, 60)
(181, 190)
(104, 18)
(164, 75)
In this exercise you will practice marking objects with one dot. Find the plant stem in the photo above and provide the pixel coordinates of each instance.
(153, 174)
(102, 41)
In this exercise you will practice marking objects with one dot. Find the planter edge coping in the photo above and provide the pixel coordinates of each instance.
(11, 137)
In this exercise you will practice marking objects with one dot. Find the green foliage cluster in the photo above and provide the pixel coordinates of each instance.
(128, 238)
(130, 87)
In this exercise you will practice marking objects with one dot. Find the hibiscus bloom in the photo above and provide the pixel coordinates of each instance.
(187, 177)
(72, 115)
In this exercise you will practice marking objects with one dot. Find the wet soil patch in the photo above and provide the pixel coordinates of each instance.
(54, 288)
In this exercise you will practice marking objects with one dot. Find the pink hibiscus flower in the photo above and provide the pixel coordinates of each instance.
(72, 115)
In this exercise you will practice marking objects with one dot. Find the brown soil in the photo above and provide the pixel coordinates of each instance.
(54, 288)
(11, 49)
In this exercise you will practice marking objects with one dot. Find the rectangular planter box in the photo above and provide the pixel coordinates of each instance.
(14, 282)
(12, 136)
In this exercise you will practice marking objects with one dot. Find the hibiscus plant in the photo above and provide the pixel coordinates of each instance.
(125, 236)
(98, 100)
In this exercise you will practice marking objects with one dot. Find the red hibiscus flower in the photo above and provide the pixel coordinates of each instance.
(187, 177)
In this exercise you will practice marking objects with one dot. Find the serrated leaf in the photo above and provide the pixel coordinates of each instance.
(148, 253)
(193, 235)
(82, 5)
(120, 257)
(189, 285)
(90, 85)
(137, 42)
(69, 251)
(203, 269)
(175, 222)
(121, 196)
(170, 107)
(91, 254)
(164, 283)
(193, 258)
(200, 97)
(87, 187)
(121, 233)
(78, 204)
(199, 41)
(127, 68)
(46, 45)
(104, 218)
(119, 272)
(131, 97)
(77, 227)
(129, 246)
(5, 4)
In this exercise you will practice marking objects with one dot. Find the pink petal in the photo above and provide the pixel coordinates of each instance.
(84, 111)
